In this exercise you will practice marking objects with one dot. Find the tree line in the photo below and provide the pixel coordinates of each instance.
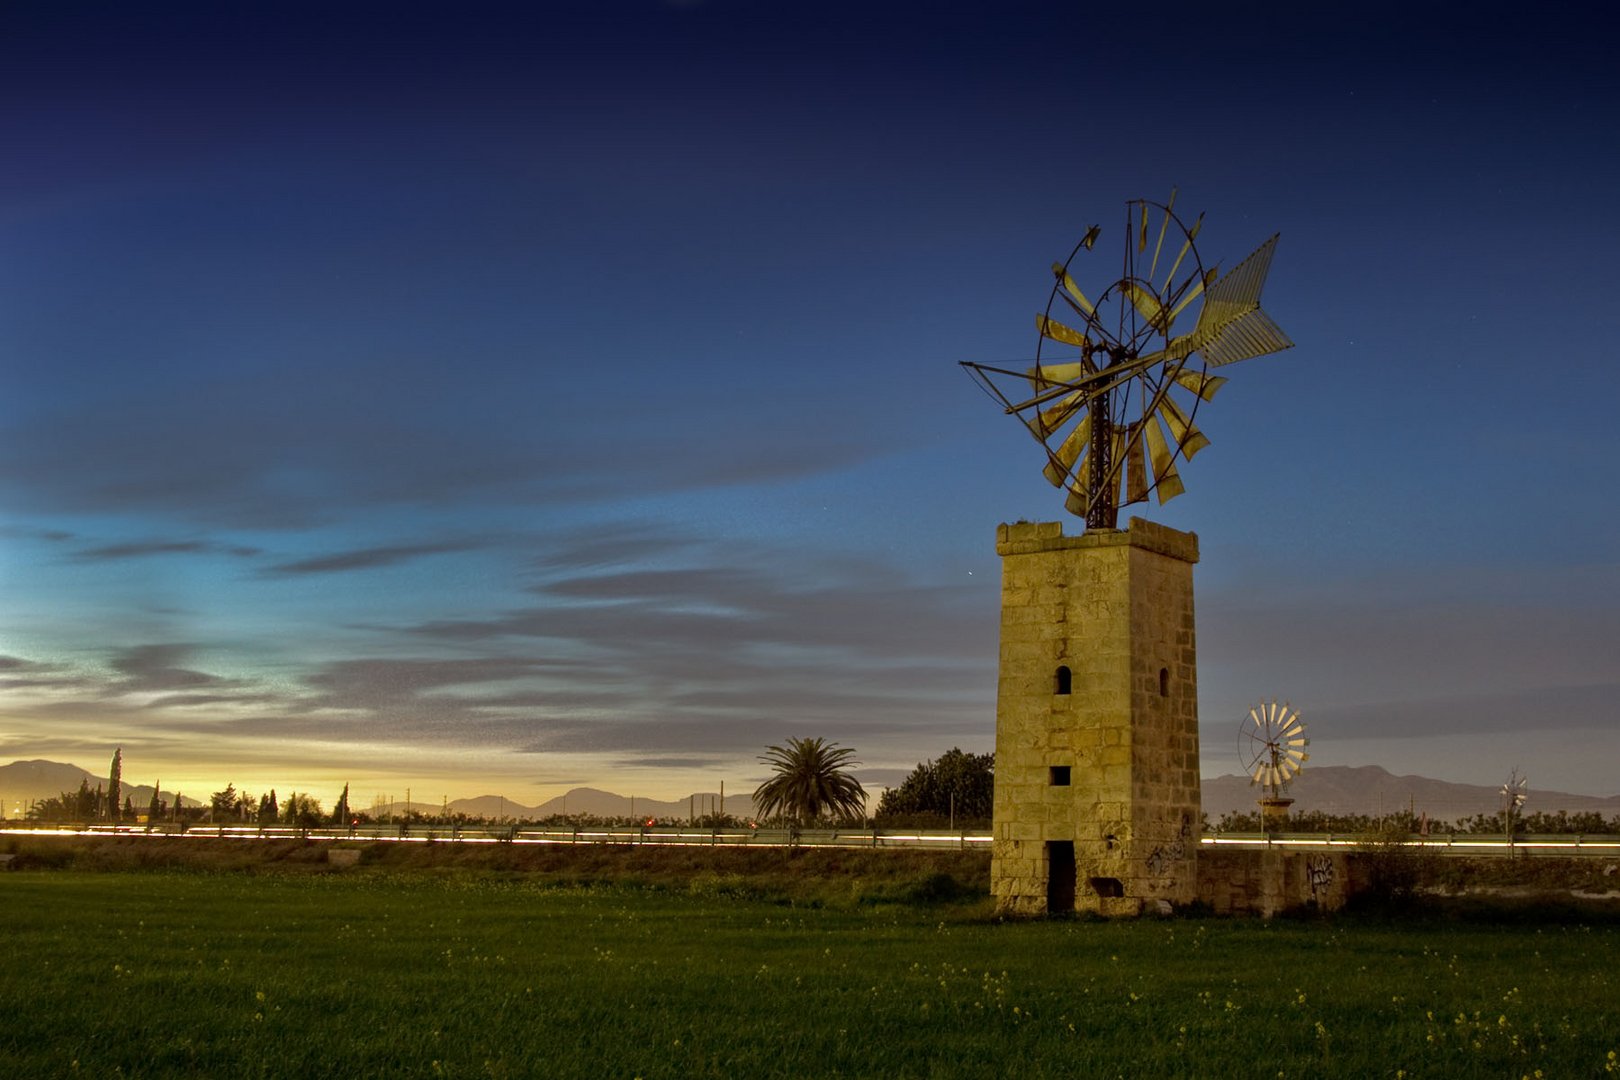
(1588, 822)
(811, 784)
(108, 802)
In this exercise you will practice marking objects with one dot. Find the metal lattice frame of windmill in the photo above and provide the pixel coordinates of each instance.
(1117, 380)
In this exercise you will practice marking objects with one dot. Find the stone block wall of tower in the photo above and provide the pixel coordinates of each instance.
(1096, 718)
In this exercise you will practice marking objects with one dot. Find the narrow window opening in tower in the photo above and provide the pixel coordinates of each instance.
(1164, 682)
(1058, 775)
(1064, 680)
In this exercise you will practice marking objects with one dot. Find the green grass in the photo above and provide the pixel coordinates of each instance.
(468, 973)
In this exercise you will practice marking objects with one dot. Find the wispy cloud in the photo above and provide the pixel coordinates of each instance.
(292, 450)
(369, 558)
(686, 762)
(24, 532)
(137, 549)
(146, 668)
(194, 700)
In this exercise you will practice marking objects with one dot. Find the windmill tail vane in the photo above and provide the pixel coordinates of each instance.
(1113, 391)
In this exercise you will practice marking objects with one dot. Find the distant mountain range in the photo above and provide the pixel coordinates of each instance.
(1367, 789)
(584, 800)
(25, 781)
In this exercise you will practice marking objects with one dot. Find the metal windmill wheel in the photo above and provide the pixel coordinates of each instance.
(1271, 746)
(1114, 389)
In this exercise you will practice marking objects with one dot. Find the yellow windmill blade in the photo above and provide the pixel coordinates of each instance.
(1198, 382)
(1136, 485)
(1073, 290)
(1053, 330)
(1146, 304)
(1078, 502)
(1061, 462)
(1048, 376)
(1166, 481)
(1164, 227)
(1186, 246)
(1186, 436)
(1047, 421)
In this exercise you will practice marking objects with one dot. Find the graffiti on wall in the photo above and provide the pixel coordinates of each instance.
(1319, 872)
(1163, 858)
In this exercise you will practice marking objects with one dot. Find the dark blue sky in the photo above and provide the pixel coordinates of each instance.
(502, 398)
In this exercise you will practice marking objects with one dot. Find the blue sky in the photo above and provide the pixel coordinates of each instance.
(503, 398)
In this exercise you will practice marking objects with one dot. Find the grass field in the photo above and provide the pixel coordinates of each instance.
(471, 973)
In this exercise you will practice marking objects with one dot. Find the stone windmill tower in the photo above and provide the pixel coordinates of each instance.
(1097, 772)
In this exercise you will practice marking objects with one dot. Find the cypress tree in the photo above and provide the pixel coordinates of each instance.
(115, 779)
(155, 810)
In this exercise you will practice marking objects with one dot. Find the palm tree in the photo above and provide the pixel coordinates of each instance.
(810, 782)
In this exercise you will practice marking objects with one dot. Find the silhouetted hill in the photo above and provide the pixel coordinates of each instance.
(1370, 789)
(26, 781)
(606, 804)
(40, 779)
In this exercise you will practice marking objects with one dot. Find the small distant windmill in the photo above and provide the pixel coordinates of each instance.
(1513, 796)
(1117, 377)
(1271, 747)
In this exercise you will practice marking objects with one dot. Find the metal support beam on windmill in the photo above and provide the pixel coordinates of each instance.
(1098, 793)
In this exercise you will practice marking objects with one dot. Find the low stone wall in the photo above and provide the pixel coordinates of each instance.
(1267, 883)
